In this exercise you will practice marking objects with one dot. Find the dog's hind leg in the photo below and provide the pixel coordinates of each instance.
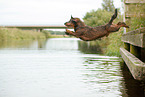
(113, 17)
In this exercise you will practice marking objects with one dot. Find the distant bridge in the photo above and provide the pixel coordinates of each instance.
(37, 27)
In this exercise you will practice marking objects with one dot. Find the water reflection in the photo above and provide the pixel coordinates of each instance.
(133, 88)
(61, 68)
(103, 74)
(91, 47)
(22, 44)
(53, 44)
(14, 44)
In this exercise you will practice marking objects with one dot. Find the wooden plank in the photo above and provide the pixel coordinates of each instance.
(136, 67)
(136, 37)
(133, 14)
(134, 1)
(135, 10)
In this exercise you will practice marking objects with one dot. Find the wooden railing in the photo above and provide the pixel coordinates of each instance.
(133, 52)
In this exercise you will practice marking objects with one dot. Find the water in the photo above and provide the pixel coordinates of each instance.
(56, 68)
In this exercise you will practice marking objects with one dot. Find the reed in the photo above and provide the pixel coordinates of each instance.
(17, 34)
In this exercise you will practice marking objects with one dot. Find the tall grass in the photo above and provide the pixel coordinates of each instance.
(114, 44)
(17, 34)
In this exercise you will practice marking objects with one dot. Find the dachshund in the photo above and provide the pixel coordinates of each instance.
(88, 33)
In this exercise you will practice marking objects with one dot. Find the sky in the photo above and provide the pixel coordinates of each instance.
(45, 12)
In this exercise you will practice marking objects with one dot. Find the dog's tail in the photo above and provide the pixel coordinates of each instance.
(113, 17)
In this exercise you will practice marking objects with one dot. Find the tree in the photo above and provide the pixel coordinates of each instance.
(101, 16)
(108, 5)
(97, 18)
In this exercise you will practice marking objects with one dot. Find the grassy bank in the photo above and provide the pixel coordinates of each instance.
(59, 36)
(114, 44)
(55, 34)
(17, 34)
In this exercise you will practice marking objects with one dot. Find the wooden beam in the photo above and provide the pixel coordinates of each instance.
(136, 67)
(136, 37)
(134, 1)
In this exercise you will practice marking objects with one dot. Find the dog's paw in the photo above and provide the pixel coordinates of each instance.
(67, 32)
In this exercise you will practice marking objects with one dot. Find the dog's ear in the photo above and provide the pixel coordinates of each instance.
(72, 17)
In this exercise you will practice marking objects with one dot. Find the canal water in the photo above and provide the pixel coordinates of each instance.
(58, 68)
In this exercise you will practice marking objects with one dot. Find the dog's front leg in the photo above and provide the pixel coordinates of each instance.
(68, 32)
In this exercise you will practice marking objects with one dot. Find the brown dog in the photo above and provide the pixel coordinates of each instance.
(88, 33)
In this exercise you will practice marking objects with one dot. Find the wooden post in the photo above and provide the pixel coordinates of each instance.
(127, 46)
(41, 30)
(143, 54)
(136, 51)
(132, 9)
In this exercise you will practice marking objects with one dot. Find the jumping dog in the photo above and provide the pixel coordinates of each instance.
(88, 33)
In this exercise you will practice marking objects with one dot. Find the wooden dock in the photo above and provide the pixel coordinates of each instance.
(133, 52)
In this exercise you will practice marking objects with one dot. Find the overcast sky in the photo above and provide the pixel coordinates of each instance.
(51, 12)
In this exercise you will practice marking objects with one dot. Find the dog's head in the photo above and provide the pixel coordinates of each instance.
(122, 24)
(74, 22)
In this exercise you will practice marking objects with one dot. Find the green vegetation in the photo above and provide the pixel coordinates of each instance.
(97, 18)
(114, 44)
(92, 47)
(108, 5)
(55, 34)
(17, 34)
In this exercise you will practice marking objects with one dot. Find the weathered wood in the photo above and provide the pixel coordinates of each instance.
(134, 1)
(133, 9)
(127, 46)
(127, 14)
(143, 54)
(136, 37)
(136, 67)
(136, 51)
